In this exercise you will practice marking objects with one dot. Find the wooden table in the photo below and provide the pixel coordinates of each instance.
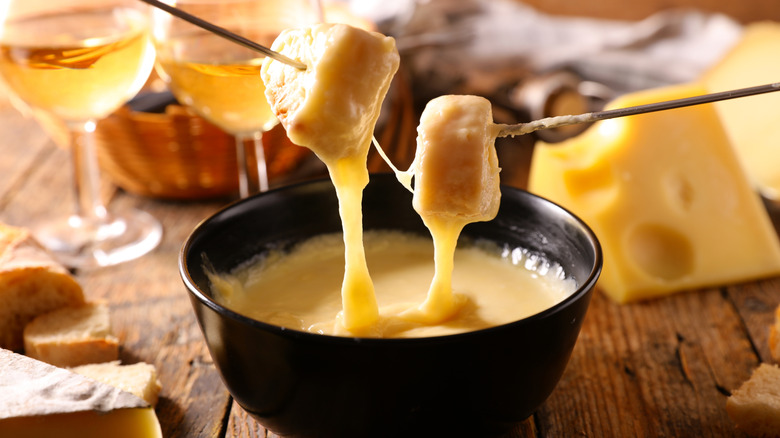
(660, 368)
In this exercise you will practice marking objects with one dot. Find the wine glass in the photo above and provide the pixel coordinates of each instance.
(219, 79)
(77, 61)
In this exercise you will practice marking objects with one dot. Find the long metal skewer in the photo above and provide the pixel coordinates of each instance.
(225, 33)
(558, 121)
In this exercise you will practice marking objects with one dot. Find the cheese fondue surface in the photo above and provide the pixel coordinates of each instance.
(301, 289)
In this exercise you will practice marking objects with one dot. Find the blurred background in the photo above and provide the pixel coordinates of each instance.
(532, 59)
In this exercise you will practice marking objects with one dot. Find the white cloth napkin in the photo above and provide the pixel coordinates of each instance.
(443, 39)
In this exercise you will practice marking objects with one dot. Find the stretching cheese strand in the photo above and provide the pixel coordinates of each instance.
(331, 108)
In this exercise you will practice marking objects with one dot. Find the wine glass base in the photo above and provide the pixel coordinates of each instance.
(81, 244)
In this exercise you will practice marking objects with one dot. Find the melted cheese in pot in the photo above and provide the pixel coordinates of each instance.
(300, 289)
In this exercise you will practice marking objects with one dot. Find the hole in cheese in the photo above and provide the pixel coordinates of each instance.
(679, 192)
(660, 251)
(596, 185)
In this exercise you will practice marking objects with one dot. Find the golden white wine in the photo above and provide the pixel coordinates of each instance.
(52, 63)
(220, 81)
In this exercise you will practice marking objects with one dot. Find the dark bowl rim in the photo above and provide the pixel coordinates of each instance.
(582, 290)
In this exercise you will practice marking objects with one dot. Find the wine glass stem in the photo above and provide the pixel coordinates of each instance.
(86, 174)
(246, 185)
(243, 169)
(262, 167)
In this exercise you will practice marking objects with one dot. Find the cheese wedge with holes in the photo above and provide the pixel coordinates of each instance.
(333, 105)
(456, 170)
(753, 123)
(666, 196)
(39, 400)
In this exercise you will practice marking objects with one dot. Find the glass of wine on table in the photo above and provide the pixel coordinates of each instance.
(76, 62)
(219, 79)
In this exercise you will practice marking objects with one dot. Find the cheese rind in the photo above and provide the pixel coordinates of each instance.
(34, 388)
(139, 378)
(666, 196)
(753, 123)
(41, 400)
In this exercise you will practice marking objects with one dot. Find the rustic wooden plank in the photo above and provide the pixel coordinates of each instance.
(21, 147)
(44, 193)
(656, 368)
(242, 425)
(756, 303)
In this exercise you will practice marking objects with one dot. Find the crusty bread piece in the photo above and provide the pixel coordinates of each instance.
(139, 378)
(755, 406)
(31, 283)
(72, 336)
(774, 337)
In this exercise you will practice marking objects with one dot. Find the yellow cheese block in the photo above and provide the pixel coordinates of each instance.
(666, 196)
(39, 400)
(120, 423)
(753, 123)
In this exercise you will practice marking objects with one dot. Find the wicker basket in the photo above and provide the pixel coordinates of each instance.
(179, 155)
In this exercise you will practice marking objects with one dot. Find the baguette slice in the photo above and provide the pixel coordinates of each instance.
(72, 336)
(755, 406)
(31, 283)
(139, 378)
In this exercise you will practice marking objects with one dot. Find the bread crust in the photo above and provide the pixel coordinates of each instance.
(755, 405)
(72, 336)
(31, 283)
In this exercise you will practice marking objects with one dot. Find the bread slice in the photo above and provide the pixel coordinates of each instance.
(774, 337)
(72, 336)
(31, 283)
(755, 406)
(139, 378)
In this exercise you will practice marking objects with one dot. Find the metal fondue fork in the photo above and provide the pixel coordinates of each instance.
(238, 39)
(559, 121)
